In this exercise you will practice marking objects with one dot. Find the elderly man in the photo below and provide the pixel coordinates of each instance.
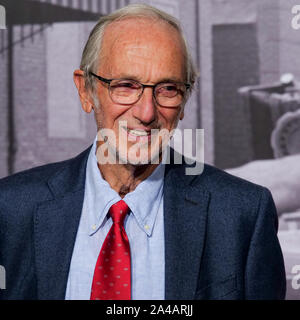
(114, 223)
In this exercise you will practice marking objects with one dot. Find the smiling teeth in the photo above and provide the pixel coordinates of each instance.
(138, 132)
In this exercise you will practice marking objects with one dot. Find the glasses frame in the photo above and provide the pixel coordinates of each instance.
(108, 81)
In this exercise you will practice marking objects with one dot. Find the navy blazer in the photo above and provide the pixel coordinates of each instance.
(220, 233)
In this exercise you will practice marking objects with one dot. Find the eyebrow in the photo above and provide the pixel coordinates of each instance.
(134, 78)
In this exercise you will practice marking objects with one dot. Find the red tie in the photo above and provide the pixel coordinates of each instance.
(112, 272)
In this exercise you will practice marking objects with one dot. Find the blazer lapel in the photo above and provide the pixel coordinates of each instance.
(55, 227)
(185, 212)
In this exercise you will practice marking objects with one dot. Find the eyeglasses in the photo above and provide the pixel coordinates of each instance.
(126, 91)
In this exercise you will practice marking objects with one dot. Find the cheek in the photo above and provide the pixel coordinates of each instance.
(106, 113)
(108, 116)
(169, 118)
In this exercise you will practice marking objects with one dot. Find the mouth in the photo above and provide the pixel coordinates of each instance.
(138, 135)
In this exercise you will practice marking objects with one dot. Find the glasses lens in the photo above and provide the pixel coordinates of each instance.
(125, 91)
(170, 94)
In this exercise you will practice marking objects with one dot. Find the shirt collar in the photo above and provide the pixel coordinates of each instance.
(143, 202)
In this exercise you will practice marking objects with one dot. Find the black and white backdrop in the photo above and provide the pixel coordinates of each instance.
(247, 97)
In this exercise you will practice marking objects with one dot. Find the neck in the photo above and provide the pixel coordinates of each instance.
(124, 178)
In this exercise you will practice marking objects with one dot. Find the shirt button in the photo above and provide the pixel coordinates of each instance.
(146, 227)
(94, 227)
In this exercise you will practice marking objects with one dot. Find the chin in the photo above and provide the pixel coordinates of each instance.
(138, 157)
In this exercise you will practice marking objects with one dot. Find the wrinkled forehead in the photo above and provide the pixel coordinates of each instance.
(137, 36)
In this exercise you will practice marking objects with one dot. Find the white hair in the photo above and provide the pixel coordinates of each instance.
(90, 56)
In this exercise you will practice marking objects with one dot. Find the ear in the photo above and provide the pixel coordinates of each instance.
(84, 94)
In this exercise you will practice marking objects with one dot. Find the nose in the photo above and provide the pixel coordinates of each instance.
(145, 110)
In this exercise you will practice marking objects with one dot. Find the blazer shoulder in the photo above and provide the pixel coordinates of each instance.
(239, 196)
(28, 179)
(209, 177)
(218, 180)
(237, 200)
(32, 184)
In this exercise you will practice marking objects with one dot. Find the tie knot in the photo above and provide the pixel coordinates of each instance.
(118, 211)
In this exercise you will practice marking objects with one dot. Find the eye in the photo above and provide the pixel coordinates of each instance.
(125, 84)
(167, 90)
